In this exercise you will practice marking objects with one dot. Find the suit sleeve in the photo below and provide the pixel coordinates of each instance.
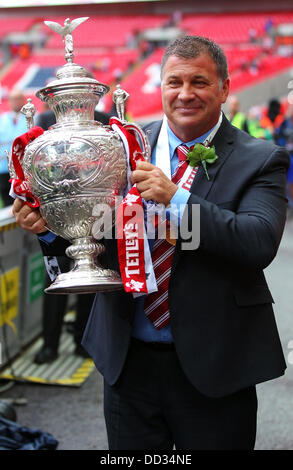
(55, 248)
(251, 235)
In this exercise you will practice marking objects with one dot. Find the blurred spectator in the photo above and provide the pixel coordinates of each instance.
(285, 50)
(46, 119)
(254, 66)
(273, 118)
(117, 74)
(236, 118)
(54, 310)
(12, 124)
(243, 65)
(285, 131)
(132, 39)
(177, 17)
(252, 35)
(284, 137)
(105, 65)
(174, 19)
(24, 51)
(145, 48)
(268, 25)
(254, 126)
(101, 65)
(267, 45)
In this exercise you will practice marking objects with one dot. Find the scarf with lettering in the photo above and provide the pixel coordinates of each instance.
(132, 243)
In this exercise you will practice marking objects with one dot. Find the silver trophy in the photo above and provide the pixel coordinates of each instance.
(77, 166)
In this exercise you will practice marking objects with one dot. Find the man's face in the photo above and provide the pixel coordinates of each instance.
(192, 95)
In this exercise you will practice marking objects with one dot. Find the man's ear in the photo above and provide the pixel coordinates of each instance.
(225, 89)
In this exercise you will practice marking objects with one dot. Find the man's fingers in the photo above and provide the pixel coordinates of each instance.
(143, 171)
(28, 218)
(39, 226)
(28, 212)
(148, 195)
(142, 186)
(153, 184)
(33, 222)
(139, 175)
(145, 166)
(143, 175)
(17, 205)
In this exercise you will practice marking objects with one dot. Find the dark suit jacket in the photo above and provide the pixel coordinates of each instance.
(221, 311)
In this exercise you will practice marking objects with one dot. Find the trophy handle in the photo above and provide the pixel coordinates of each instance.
(143, 139)
(11, 170)
(120, 96)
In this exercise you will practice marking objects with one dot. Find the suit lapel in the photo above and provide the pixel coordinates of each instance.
(201, 186)
(152, 132)
(222, 141)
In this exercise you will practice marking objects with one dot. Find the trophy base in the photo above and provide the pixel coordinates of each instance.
(78, 282)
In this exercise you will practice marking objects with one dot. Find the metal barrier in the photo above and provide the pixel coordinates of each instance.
(22, 277)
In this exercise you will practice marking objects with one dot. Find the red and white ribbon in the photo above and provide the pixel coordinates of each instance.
(19, 186)
(130, 242)
(133, 249)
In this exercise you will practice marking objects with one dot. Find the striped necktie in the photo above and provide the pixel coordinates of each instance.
(156, 305)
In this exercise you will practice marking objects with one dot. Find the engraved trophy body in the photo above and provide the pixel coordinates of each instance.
(75, 166)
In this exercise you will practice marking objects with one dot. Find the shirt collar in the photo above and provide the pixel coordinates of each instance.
(174, 141)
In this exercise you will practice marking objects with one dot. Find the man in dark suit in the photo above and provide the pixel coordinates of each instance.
(190, 380)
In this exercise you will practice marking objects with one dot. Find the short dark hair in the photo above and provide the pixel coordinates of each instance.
(189, 47)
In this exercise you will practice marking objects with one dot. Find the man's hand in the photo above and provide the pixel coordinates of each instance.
(28, 218)
(153, 184)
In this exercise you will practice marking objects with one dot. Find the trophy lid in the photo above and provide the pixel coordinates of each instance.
(70, 76)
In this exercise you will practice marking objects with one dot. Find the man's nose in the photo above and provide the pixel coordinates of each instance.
(186, 92)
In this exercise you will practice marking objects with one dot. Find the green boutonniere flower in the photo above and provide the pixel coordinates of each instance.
(203, 155)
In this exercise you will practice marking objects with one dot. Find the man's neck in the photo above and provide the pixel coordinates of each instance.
(193, 133)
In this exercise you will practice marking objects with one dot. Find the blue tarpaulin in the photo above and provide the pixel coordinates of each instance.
(16, 437)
